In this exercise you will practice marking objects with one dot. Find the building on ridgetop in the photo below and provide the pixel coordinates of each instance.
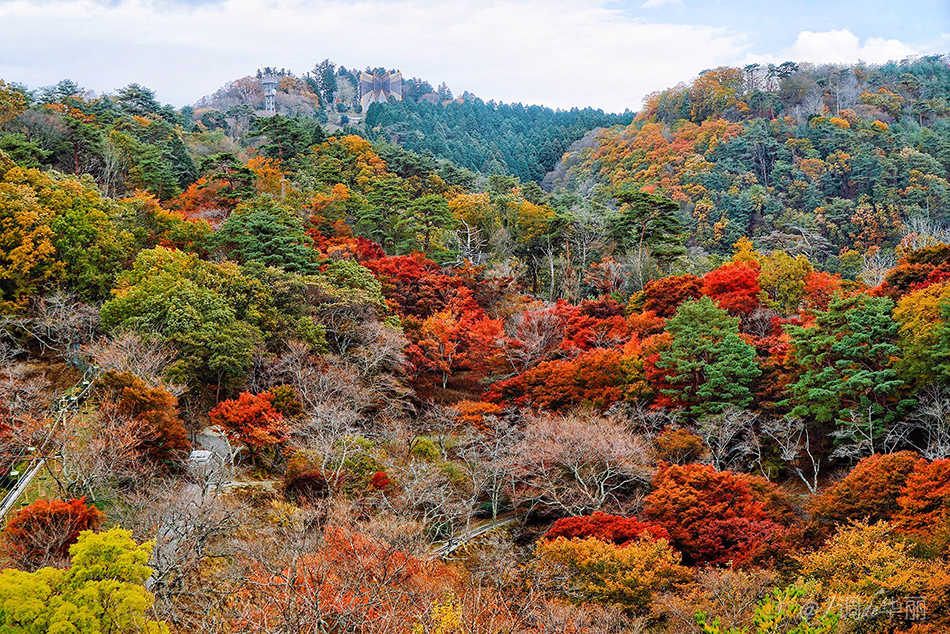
(378, 88)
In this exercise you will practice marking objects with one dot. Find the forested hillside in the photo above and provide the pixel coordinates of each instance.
(827, 161)
(697, 382)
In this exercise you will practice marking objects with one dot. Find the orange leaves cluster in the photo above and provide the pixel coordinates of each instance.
(595, 377)
(41, 533)
(252, 420)
(650, 154)
(349, 579)
(165, 438)
(870, 491)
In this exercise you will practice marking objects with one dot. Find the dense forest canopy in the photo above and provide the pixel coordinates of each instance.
(450, 366)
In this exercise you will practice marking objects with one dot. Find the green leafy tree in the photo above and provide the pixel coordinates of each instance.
(846, 362)
(418, 228)
(648, 225)
(262, 230)
(708, 365)
(207, 311)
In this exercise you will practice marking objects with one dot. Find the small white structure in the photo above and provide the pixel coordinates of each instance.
(269, 84)
(201, 456)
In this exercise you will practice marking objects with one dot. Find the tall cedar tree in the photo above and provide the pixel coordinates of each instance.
(648, 224)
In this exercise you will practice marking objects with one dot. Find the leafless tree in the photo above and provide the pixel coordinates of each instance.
(98, 450)
(796, 447)
(728, 594)
(814, 102)
(470, 244)
(58, 323)
(730, 437)
(579, 464)
(642, 419)
(428, 494)
(921, 231)
(383, 351)
(187, 519)
(129, 352)
(863, 434)
(927, 430)
(551, 616)
(876, 263)
(488, 459)
(536, 334)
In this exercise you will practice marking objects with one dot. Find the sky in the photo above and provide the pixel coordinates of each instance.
(607, 54)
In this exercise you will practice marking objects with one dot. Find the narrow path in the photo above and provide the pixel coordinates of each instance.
(467, 535)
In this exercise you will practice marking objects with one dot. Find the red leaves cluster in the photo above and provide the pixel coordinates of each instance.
(415, 287)
(712, 517)
(734, 287)
(252, 420)
(593, 324)
(41, 533)
(917, 270)
(595, 377)
(664, 296)
(612, 529)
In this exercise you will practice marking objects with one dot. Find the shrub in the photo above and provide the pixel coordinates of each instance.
(612, 529)
(869, 492)
(41, 533)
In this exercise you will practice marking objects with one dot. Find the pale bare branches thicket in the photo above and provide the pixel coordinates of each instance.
(730, 437)
(97, 451)
(57, 323)
(730, 594)
(147, 359)
(580, 463)
(797, 448)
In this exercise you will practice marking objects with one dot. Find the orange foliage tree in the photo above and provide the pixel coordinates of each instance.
(870, 491)
(251, 420)
(40, 534)
(924, 502)
(712, 517)
(664, 296)
(351, 579)
(165, 438)
(596, 377)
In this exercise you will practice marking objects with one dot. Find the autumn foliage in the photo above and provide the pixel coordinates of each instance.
(350, 578)
(870, 491)
(165, 439)
(712, 517)
(252, 420)
(613, 529)
(41, 533)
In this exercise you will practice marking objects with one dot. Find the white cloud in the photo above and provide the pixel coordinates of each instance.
(652, 4)
(559, 53)
(840, 47)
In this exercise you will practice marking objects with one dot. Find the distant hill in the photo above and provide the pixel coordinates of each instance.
(812, 159)
(487, 137)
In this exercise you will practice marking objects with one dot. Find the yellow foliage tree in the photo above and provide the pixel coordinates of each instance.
(27, 252)
(593, 570)
(870, 576)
